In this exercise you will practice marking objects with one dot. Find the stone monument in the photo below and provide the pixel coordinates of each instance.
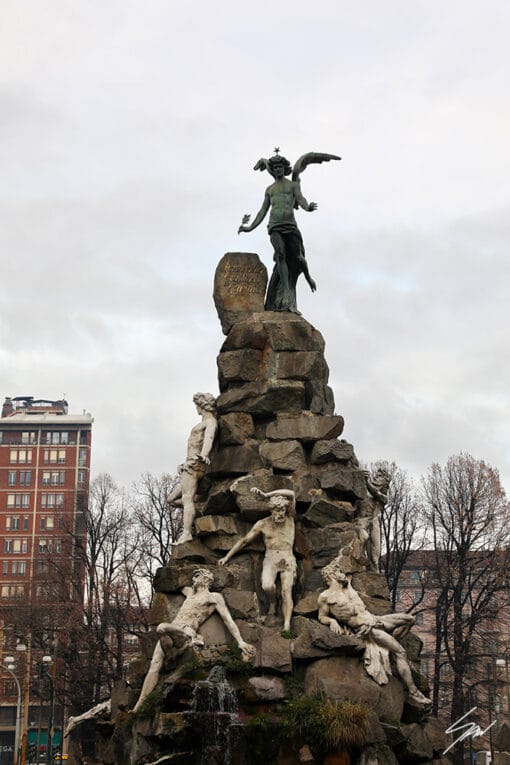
(280, 500)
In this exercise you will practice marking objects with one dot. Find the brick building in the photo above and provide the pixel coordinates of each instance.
(44, 484)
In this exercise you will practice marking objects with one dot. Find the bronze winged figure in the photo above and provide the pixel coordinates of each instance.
(282, 197)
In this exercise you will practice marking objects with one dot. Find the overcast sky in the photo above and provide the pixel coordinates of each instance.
(128, 134)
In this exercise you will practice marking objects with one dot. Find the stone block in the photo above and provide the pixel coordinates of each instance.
(371, 584)
(193, 551)
(263, 398)
(319, 397)
(331, 450)
(267, 687)
(316, 640)
(301, 365)
(344, 678)
(251, 505)
(343, 481)
(325, 543)
(306, 427)
(235, 460)
(225, 524)
(243, 365)
(288, 332)
(243, 604)
(417, 746)
(220, 500)
(377, 755)
(307, 605)
(250, 333)
(235, 428)
(283, 455)
(176, 575)
(435, 731)
(273, 651)
(306, 484)
(240, 284)
(324, 511)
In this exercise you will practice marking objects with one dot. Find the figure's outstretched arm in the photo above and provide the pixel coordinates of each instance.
(280, 492)
(249, 537)
(301, 201)
(246, 648)
(259, 216)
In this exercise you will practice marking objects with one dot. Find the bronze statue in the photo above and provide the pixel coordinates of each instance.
(282, 197)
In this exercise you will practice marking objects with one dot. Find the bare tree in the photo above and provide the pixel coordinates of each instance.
(468, 514)
(402, 528)
(159, 525)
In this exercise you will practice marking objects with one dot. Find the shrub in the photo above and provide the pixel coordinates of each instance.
(325, 725)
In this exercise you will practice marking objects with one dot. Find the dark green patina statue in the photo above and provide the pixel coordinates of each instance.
(282, 197)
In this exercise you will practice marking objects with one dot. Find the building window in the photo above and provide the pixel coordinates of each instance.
(43, 500)
(42, 567)
(8, 521)
(419, 617)
(24, 455)
(50, 500)
(64, 438)
(5, 567)
(25, 477)
(61, 456)
(60, 522)
(50, 455)
(15, 523)
(19, 568)
(29, 437)
(10, 500)
(50, 522)
(46, 478)
(5, 591)
(11, 480)
(82, 457)
(60, 500)
(25, 523)
(57, 545)
(42, 522)
(398, 596)
(8, 545)
(54, 479)
(43, 545)
(24, 545)
(13, 455)
(417, 596)
(25, 500)
(62, 478)
(16, 546)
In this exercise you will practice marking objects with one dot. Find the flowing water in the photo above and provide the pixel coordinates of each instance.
(214, 702)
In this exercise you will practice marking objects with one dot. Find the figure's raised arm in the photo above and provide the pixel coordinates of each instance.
(278, 492)
(259, 216)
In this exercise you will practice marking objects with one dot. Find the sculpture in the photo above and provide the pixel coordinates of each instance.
(200, 444)
(342, 609)
(368, 522)
(278, 531)
(289, 252)
(176, 636)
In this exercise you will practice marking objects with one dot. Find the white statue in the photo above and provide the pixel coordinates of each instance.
(342, 609)
(200, 443)
(177, 636)
(100, 710)
(368, 522)
(278, 531)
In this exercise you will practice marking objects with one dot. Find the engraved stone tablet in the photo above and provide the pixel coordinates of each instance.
(239, 287)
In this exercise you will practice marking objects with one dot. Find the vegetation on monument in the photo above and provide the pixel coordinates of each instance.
(326, 725)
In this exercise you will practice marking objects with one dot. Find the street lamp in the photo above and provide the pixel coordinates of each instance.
(9, 667)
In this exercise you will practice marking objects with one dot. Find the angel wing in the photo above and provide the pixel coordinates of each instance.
(311, 158)
(262, 165)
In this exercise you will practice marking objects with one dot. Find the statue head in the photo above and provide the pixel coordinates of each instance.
(282, 506)
(278, 160)
(205, 401)
(202, 577)
(382, 480)
(333, 573)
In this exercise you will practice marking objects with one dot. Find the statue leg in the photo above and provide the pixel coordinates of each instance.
(280, 258)
(403, 667)
(375, 544)
(152, 676)
(269, 574)
(287, 582)
(175, 494)
(398, 624)
(189, 486)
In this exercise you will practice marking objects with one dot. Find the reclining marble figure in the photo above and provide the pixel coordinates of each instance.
(176, 636)
(200, 444)
(278, 532)
(342, 609)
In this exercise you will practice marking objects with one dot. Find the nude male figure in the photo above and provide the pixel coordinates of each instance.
(369, 518)
(175, 637)
(278, 532)
(341, 607)
(200, 443)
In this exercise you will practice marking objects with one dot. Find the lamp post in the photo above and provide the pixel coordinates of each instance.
(9, 667)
